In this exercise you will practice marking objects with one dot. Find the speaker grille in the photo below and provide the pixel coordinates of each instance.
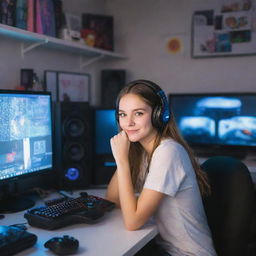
(73, 127)
(74, 151)
(73, 144)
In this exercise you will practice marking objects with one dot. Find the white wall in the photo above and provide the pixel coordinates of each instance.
(141, 30)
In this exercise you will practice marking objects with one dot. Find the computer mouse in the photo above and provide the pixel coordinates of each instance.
(62, 245)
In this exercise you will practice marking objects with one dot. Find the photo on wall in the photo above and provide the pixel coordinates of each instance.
(67, 86)
(227, 31)
(73, 87)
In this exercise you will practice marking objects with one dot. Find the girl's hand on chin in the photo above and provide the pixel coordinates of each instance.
(120, 145)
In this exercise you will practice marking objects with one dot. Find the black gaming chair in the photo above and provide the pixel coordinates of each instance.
(229, 208)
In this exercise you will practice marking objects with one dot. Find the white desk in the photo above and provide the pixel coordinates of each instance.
(107, 238)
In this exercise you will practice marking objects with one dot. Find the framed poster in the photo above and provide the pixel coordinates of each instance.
(227, 31)
(97, 31)
(73, 87)
(74, 22)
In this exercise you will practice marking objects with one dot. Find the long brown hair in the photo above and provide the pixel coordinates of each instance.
(170, 130)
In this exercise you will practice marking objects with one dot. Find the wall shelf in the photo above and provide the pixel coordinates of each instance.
(31, 40)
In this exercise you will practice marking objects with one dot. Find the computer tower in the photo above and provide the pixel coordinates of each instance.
(73, 143)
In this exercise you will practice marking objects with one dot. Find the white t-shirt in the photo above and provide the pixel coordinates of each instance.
(180, 218)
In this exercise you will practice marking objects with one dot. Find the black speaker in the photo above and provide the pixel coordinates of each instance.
(112, 82)
(73, 142)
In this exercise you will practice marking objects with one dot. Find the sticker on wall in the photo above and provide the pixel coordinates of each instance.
(174, 45)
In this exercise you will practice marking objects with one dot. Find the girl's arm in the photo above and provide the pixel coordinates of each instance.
(112, 191)
(135, 211)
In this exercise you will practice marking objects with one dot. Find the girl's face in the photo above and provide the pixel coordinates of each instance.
(135, 119)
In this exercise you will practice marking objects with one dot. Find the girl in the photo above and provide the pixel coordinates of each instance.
(154, 160)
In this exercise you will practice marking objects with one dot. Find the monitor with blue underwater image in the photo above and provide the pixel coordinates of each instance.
(105, 127)
(25, 143)
(223, 120)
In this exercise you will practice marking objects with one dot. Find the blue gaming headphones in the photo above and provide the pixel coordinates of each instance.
(160, 113)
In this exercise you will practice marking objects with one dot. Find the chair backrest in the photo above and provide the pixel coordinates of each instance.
(229, 208)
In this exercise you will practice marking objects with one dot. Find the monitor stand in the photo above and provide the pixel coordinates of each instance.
(10, 204)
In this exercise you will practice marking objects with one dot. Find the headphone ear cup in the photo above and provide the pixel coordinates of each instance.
(156, 117)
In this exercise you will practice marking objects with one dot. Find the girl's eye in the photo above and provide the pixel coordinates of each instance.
(121, 114)
(138, 113)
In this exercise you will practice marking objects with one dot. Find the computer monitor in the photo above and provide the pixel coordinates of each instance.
(217, 123)
(105, 127)
(25, 143)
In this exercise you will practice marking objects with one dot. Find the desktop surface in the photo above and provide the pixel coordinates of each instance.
(107, 236)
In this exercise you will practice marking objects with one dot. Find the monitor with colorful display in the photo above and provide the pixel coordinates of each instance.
(25, 139)
(219, 121)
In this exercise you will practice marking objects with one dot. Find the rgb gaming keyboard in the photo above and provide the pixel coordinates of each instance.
(84, 209)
